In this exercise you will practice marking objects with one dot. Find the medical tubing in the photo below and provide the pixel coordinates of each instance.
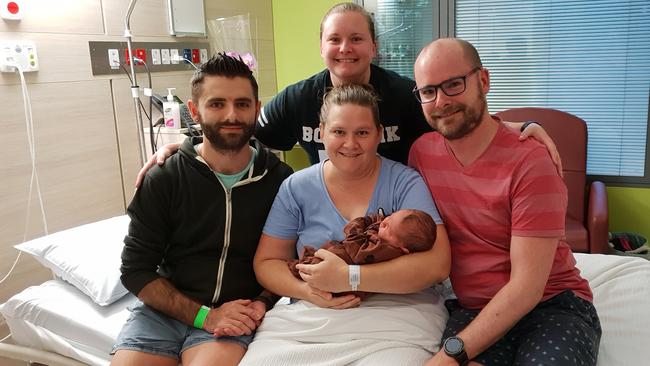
(29, 124)
(144, 110)
(150, 116)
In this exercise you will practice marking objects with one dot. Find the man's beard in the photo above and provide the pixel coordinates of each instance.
(470, 119)
(224, 141)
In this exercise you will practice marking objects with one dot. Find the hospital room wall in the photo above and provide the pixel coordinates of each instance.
(84, 125)
(296, 28)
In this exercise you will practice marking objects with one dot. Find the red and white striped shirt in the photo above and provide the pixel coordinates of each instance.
(512, 189)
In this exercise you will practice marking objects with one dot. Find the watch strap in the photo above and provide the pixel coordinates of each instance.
(528, 123)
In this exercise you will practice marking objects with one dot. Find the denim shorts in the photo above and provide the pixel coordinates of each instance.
(150, 331)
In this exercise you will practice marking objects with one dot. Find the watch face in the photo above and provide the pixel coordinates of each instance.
(453, 346)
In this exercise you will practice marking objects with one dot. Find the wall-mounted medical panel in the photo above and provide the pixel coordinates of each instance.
(112, 57)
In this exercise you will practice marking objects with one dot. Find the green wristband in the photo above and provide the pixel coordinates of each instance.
(200, 316)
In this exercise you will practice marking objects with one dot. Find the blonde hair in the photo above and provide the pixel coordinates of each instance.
(349, 7)
(361, 95)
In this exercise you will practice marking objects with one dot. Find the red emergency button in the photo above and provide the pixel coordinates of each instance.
(12, 7)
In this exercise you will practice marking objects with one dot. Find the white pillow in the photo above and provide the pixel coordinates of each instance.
(87, 256)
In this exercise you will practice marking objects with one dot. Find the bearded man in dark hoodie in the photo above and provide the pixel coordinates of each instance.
(195, 225)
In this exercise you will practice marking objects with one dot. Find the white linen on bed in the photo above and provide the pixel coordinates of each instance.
(407, 328)
(621, 287)
(55, 316)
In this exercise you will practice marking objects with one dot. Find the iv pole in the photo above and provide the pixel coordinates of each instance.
(135, 89)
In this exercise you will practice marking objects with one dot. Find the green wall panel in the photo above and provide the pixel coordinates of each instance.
(629, 209)
(296, 26)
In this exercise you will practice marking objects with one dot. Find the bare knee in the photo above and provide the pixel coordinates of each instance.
(125, 357)
(214, 354)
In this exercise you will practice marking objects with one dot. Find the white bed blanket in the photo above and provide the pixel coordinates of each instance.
(65, 321)
(391, 329)
(621, 287)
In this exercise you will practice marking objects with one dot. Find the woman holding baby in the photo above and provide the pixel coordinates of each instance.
(404, 319)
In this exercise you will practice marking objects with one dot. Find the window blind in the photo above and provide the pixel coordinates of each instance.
(403, 28)
(590, 58)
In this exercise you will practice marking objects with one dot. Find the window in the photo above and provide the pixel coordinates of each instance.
(586, 57)
(403, 27)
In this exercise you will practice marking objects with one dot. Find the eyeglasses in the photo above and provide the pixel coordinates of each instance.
(450, 87)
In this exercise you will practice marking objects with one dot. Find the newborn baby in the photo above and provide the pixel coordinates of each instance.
(376, 238)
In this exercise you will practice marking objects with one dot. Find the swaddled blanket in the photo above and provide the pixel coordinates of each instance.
(387, 329)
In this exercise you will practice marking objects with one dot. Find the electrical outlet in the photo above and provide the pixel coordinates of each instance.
(140, 53)
(114, 58)
(187, 55)
(174, 56)
(22, 53)
(166, 58)
(204, 55)
(196, 57)
(155, 56)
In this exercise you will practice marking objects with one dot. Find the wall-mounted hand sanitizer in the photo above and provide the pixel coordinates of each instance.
(171, 111)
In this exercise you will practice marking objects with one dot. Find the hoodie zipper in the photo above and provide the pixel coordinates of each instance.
(227, 228)
(226, 244)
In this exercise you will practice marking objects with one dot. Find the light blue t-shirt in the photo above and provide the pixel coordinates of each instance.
(229, 180)
(303, 209)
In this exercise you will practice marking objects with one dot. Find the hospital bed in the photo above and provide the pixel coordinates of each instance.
(58, 323)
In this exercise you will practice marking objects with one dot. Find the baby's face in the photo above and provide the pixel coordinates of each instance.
(389, 229)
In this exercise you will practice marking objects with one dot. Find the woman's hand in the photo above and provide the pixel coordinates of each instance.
(537, 132)
(158, 158)
(329, 275)
(327, 300)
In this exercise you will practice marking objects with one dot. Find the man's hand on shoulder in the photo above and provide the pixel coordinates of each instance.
(158, 158)
(536, 131)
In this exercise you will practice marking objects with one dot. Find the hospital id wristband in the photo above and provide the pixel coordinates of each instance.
(354, 276)
(199, 320)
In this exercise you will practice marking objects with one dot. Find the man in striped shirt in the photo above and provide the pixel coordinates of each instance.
(521, 299)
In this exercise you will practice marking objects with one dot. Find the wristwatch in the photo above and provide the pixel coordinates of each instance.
(455, 348)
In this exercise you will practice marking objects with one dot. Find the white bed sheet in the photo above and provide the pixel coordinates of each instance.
(621, 287)
(55, 316)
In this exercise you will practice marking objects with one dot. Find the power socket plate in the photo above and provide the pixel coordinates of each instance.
(22, 53)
